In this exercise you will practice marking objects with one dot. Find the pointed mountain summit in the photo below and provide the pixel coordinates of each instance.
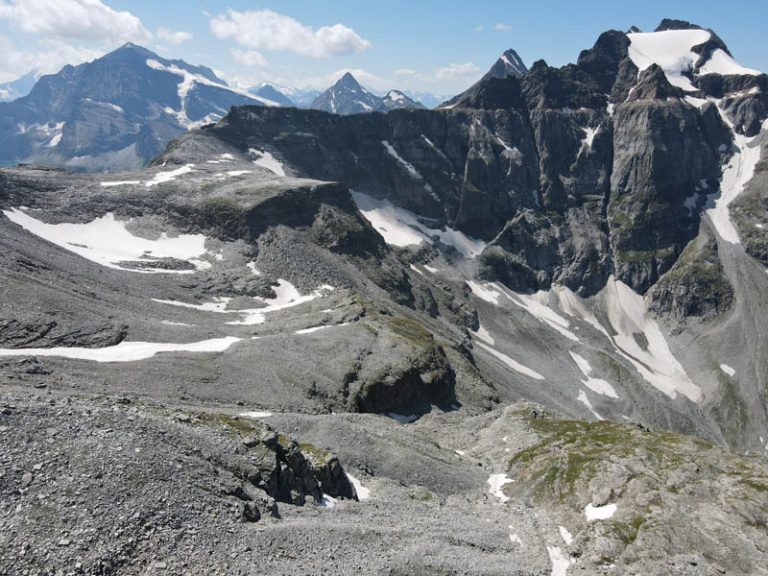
(116, 112)
(347, 96)
(508, 65)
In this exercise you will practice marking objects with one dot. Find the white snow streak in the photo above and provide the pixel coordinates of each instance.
(595, 384)
(125, 351)
(739, 170)
(509, 362)
(728, 370)
(584, 399)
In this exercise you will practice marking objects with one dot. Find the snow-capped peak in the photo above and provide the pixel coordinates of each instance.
(675, 51)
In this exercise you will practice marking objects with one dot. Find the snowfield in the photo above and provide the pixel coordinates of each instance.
(106, 241)
(399, 227)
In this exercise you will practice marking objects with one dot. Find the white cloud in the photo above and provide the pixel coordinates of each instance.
(73, 19)
(50, 57)
(251, 58)
(500, 26)
(406, 72)
(172, 37)
(478, 28)
(454, 71)
(267, 30)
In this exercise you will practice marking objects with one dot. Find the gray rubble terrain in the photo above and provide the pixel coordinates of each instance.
(520, 334)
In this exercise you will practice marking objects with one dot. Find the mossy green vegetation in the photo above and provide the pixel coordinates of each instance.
(235, 425)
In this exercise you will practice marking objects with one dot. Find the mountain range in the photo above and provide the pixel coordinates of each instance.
(116, 112)
(521, 333)
(347, 96)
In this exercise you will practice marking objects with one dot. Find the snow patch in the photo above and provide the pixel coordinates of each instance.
(736, 174)
(287, 296)
(509, 362)
(728, 370)
(560, 562)
(599, 512)
(672, 50)
(484, 335)
(486, 292)
(120, 183)
(266, 160)
(584, 399)
(721, 63)
(496, 483)
(162, 177)
(106, 241)
(589, 137)
(362, 492)
(255, 415)
(538, 306)
(400, 227)
(565, 535)
(406, 165)
(597, 385)
(125, 351)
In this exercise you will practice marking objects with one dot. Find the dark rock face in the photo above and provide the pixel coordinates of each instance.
(695, 288)
(663, 151)
(455, 158)
(116, 112)
(291, 472)
(571, 174)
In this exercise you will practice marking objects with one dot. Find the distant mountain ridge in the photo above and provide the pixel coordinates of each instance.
(347, 96)
(116, 112)
(18, 88)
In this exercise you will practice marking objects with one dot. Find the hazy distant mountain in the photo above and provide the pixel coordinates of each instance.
(347, 96)
(19, 87)
(395, 99)
(118, 111)
(272, 93)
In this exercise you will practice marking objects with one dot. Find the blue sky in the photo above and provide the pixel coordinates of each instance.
(440, 47)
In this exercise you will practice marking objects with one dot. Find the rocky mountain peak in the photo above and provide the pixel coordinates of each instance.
(653, 85)
(672, 24)
(348, 82)
(508, 64)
